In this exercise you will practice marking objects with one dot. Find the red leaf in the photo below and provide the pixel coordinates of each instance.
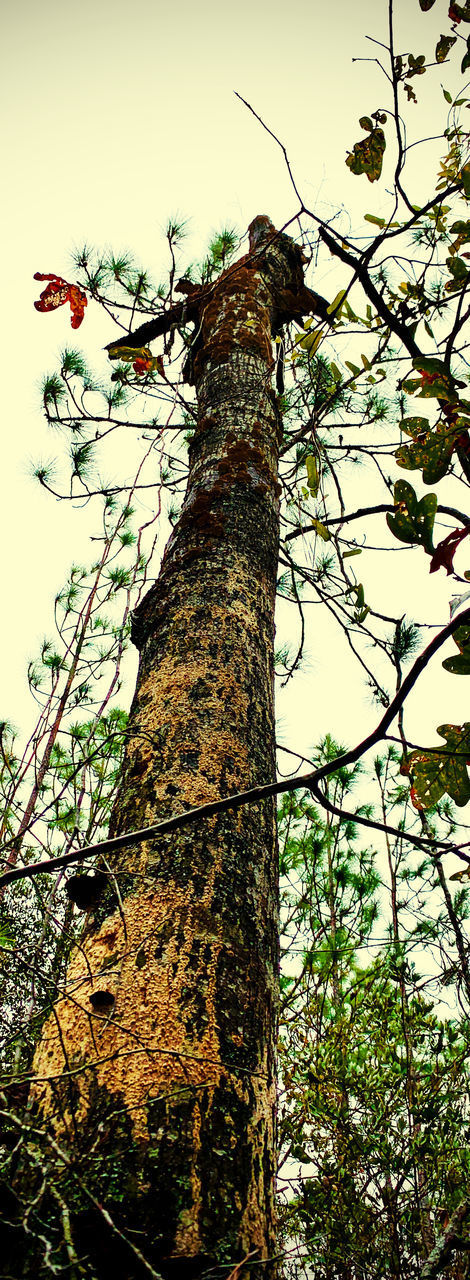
(78, 301)
(146, 365)
(59, 291)
(142, 366)
(444, 554)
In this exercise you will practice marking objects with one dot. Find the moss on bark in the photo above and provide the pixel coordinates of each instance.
(156, 1070)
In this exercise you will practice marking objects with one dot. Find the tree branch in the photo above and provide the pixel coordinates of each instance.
(448, 1242)
(371, 511)
(187, 310)
(361, 272)
(256, 794)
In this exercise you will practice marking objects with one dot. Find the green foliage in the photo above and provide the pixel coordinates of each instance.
(413, 521)
(432, 449)
(442, 770)
(313, 474)
(375, 1084)
(460, 665)
(367, 155)
(443, 47)
(220, 252)
(53, 390)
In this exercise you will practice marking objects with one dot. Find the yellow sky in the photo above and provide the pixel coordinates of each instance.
(119, 115)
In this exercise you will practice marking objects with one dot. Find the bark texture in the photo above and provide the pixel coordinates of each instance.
(155, 1074)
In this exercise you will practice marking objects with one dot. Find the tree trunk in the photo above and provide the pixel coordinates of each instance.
(156, 1070)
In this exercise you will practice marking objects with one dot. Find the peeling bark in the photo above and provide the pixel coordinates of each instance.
(156, 1070)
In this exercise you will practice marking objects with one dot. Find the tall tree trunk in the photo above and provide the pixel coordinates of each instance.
(156, 1070)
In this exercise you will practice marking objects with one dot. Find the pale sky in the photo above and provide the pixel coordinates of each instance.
(119, 116)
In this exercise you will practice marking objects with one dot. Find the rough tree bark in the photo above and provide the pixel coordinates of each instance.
(155, 1073)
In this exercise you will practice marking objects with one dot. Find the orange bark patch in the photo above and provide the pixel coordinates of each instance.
(238, 313)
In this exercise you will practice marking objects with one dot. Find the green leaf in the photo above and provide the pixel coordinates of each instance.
(353, 367)
(311, 341)
(355, 551)
(313, 474)
(129, 353)
(433, 773)
(431, 451)
(461, 12)
(461, 229)
(321, 529)
(459, 271)
(465, 175)
(366, 123)
(411, 385)
(443, 46)
(460, 665)
(436, 381)
(367, 155)
(426, 4)
(336, 301)
(377, 222)
(447, 95)
(416, 66)
(412, 521)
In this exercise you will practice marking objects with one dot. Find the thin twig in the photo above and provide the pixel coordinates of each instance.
(266, 790)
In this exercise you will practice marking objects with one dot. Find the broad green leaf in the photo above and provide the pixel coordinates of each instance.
(459, 271)
(465, 175)
(336, 301)
(355, 369)
(377, 222)
(355, 551)
(460, 665)
(443, 46)
(366, 123)
(416, 66)
(436, 381)
(461, 230)
(313, 474)
(414, 427)
(426, 4)
(311, 341)
(412, 521)
(411, 385)
(351, 315)
(129, 353)
(322, 530)
(335, 372)
(433, 773)
(431, 452)
(447, 95)
(367, 155)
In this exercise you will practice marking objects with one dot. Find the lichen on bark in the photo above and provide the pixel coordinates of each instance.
(156, 1069)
